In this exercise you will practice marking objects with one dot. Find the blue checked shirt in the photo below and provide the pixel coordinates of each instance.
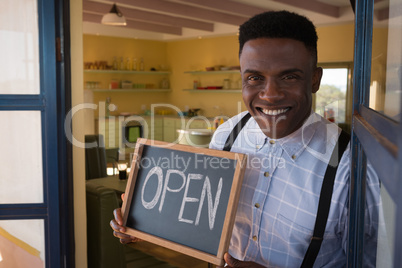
(280, 193)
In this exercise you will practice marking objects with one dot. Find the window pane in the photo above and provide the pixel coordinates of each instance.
(19, 47)
(386, 72)
(333, 99)
(21, 173)
(22, 243)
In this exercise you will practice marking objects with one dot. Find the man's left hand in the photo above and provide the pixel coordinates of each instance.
(234, 263)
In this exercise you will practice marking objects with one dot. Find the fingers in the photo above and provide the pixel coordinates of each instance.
(117, 227)
(119, 230)
(117, 216)
(122, 196)
(117, 222)
(231, 262)
(234, 263)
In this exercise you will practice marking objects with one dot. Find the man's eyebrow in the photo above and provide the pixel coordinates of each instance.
(286, 71)
(252, 71)
(292, 70)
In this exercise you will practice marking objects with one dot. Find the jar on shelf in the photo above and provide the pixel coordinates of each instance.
(226, 83)
(164, 83)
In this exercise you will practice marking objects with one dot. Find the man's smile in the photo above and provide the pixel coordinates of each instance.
(273, 111)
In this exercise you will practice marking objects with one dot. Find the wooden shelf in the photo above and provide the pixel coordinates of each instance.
(214, 72)
(127, 72)
(214, 90)
(134, 90)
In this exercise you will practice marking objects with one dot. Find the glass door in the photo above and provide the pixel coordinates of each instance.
(29, 174)
(377, 133)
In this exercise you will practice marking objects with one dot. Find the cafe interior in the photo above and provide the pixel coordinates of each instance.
(168, 70)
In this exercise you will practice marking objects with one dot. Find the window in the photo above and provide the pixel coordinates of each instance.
(333, 99)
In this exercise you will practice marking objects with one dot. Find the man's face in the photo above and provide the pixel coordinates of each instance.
(279, 77)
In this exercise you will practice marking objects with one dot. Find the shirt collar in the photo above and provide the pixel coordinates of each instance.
(295, 143)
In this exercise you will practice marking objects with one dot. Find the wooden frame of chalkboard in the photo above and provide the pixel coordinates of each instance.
(183, 198)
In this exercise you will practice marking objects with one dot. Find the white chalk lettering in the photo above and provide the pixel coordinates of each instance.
(190, 177)
(158, 172)
(212, 208)
(167, 188)
(184, 182)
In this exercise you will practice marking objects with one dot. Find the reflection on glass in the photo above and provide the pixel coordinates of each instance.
(21, 173)
(22, 243)
(19, 47)
(386, 231)
(386, 63)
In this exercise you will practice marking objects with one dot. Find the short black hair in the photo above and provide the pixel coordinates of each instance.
(280, 24)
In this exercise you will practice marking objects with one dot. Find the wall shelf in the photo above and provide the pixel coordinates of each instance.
(214, 90)
(134, 90)
(214, 72)
(127, 72)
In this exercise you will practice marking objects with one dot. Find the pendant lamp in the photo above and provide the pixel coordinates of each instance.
(114, 17)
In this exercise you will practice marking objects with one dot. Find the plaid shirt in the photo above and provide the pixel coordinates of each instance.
(281, 189)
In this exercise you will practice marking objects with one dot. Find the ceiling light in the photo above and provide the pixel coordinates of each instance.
(114, 17)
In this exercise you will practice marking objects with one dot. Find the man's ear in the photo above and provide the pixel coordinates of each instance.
(316, 79)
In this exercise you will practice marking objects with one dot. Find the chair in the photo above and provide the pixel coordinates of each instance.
(103, 249)
(95, 157)
(112, 157)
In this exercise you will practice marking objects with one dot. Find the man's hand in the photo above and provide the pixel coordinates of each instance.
(118, 228)
(233, 263)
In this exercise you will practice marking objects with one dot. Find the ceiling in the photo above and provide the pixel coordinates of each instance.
(185, 19)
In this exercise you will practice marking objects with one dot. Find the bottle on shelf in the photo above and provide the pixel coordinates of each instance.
(134, 67)
(142, 64)
(107, 108)
(115, 64)
(226, 83)
(128, 64)
(122, 67)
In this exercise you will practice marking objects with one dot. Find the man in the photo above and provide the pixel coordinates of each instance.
(289, 148)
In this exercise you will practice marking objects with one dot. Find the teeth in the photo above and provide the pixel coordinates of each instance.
(274, 112)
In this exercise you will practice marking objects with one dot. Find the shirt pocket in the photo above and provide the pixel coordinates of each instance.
(290, 238)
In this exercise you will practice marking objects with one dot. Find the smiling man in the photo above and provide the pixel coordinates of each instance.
(293, 206)
(295, 165)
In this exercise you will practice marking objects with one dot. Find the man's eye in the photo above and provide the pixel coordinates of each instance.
(254, 78)
(289, 77)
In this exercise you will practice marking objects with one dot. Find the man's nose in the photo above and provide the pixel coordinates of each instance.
(271, 91)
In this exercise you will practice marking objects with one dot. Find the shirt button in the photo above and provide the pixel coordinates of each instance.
(272, 141)
(294, 157)
(257, 205)
(255, 238)
(266, 174)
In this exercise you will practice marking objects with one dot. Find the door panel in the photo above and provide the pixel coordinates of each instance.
(22, 166)
(19, 47)
(22, 243)
(29, 105)
(377, 132)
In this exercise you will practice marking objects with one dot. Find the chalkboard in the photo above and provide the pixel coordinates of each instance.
(183, 197)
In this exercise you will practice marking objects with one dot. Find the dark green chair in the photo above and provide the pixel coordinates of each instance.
(112, 157)
(103, 249)
(95, 157)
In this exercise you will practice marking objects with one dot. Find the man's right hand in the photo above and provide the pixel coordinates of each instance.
(118, 228)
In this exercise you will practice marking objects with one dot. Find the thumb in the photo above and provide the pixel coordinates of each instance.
(232, 262)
